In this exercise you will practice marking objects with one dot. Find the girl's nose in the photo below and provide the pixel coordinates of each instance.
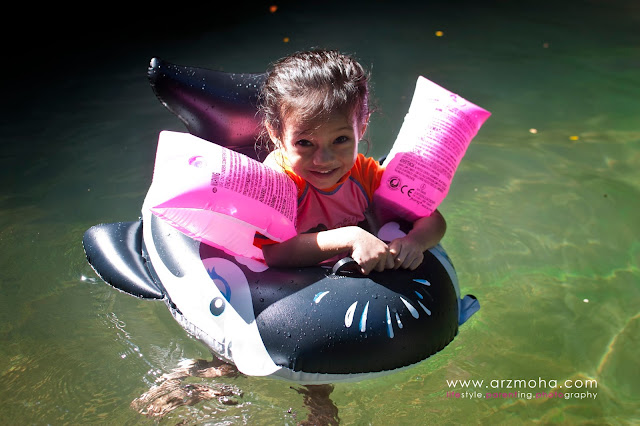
(322, 156)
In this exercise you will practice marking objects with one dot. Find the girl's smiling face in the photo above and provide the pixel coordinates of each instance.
(321, 150)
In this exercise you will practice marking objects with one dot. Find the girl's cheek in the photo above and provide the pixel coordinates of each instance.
(295, 159)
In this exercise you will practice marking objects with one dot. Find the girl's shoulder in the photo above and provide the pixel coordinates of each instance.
(368, 163)
(368, 172)
(278, 162)
(274, 160)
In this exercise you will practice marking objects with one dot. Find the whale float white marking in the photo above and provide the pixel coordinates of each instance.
(409, 306)
(363, 318)
(398, 321)
(318, 297)
(424, 307)
(348, 318)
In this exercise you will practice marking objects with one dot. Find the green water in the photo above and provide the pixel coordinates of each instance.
(543, 225)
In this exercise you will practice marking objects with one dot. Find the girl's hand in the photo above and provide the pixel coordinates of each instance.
(366, 249)
(370, 252)
(406, 252)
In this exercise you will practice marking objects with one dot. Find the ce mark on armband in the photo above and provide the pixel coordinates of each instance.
(394, 183)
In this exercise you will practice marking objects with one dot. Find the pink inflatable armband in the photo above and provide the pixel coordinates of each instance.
(219, 196)
(434, 136)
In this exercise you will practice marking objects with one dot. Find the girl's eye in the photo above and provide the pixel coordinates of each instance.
(303, 142)
(341, 139)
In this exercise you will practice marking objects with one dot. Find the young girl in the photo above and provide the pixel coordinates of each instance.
(315, 111)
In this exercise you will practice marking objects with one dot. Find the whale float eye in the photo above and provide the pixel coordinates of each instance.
(217, 306)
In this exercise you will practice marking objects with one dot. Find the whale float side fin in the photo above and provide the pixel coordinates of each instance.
(469, 305)
(218, 106)
(114, 251)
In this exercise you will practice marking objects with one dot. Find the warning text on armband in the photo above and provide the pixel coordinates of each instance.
(408, 188)
(215, 180)
(251, 179)
(416, 178)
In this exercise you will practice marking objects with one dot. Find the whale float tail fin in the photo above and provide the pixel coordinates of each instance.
(114, 251)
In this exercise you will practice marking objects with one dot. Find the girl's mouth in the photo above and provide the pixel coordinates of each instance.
(323, 173)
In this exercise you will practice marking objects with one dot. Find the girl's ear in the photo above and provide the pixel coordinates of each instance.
(363, 126)
(272, 135)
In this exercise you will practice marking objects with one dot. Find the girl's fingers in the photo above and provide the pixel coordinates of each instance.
(389, 262)
(408, 259)
(404, 258)
(416, 262)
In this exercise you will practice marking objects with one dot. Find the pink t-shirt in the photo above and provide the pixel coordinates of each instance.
(343, 204)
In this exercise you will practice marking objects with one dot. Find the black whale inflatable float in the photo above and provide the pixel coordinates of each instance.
(309, 325)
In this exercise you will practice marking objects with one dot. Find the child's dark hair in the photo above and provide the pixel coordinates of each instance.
(308, 84)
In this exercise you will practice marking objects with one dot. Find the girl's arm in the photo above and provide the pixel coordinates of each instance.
(426, 233)
(366, 249)
(310, 249)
